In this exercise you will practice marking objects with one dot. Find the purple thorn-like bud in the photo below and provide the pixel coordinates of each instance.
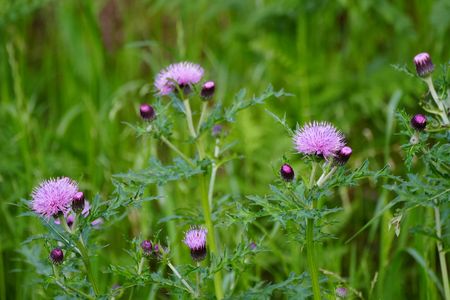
(147, 112)
(147, 247)
(78, 202)
(343, 155)
(286, 172)
(419, 122)
(424, 65)
(207, 91)
(57, 256)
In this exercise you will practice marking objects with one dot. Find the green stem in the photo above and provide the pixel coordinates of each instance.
(188, 112)
(434, 95)
(139, 272)
(202, 115)
(312, 259)
(313, 174)
(445, 279)
(175, 271)
(65, 288)
(87, 265)
(177, 151)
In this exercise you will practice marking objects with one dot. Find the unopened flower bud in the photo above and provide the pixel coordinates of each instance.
(147, 112)
(343, 155)
(57, 256)
(419, 122)
(78, 202)
(208, 90)
(286, 172)
(341, 292)
(217, 130)
(424, 65)
(147, 247)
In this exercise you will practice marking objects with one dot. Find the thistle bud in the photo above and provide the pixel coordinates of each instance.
(147, 112)
(57, 256)
(147, 247)
(341, 292)
(419, 122)
(424, 65)
(78, 202)
(286, 172)
(217, 130)
(343, 155)
(208, 90)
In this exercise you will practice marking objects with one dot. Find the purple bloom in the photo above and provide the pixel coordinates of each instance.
(424, 65)
(184, 74)
(286, 172)
(419, 122)
(318, 138)
(146, 247)
(78, 202)
(195, 239)
(54, 196)
(341, 292)
(217, 130)
(57, 256)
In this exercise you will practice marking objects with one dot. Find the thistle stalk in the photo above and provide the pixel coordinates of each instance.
(445, 279)
(313, 272)
(434, 95)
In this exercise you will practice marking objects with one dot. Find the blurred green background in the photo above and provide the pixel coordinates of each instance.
(71, 72)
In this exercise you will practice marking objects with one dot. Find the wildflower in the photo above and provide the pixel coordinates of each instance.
(78, 202)
(318, 138)
(147, 112)
(424, 65)
(208, 90)
(286, 172)
(85, 212)
(195, 239)
(419, 122)
(57, 256)
(146, 247)
(217, 130)
(341, 292)
(343, 155)
(252, 246)
(53, 197)
(183, 74)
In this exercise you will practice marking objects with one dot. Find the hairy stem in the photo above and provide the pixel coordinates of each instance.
(202, 115)
(434, 95)
(87, 265)
(312, 259)
(177, 151)
(184, 282)
(445, 279)
(188, 112)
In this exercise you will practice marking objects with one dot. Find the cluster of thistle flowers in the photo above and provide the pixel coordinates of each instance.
(425, 67)
(61, 200)
(322, 140)
(178, 77)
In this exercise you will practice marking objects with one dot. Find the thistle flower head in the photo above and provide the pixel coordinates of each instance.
(424, 65)
(195, 239)
(56, 256)
(54, 196)
(341, 292)
(184, 74)
(286, 172)
(318, 138)
(419, 122)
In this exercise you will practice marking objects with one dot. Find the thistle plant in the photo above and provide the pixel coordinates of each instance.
(426, 187)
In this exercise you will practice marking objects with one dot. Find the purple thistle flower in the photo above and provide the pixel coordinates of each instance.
(54, 197)
(195, 239)
(57, 256)
(419, 122)
(217, 130)
(184, 74)
(424, 65)
(341, 292)
(286, 172)
(318, 138)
